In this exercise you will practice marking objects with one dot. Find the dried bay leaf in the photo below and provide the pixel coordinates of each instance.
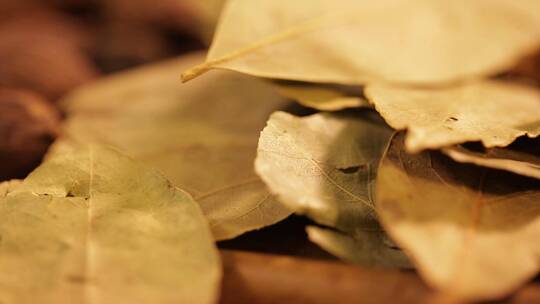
(364, 248)
(524, 160)
(332, 158)
(352, 41)
(94, 226)
(493, 112)
(471, 231)
(323, 98)
(324, 166)
(202, 136)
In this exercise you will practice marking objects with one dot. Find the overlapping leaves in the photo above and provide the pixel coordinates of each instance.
(202, 136)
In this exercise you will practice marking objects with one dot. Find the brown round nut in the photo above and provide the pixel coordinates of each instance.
(41, 61)
(28, 125)
(10, 7)
(47, 22)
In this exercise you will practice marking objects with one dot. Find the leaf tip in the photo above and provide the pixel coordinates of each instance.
(194, 72)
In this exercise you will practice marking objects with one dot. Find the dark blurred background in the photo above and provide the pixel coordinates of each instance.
(49, 47)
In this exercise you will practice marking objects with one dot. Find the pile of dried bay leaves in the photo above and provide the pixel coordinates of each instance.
(420, 153)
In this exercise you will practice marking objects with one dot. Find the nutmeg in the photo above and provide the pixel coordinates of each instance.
(28, 125)
(42, 21)
(43, 55)
(10, 7)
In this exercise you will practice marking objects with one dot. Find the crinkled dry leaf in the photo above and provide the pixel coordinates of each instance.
(324, 166)
(364, 248)
(472, 231)
(354, 41)
(202, 136)
(94, 226)
(521, 161)
(493, 112)
(323, 98)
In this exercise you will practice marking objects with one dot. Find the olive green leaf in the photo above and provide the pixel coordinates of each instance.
(93, 226)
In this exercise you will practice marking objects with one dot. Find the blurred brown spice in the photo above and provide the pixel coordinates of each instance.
(28, 124)
(37, 21)
(42, 52)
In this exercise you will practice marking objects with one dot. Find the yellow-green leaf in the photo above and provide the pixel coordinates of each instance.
(357, 41)
(493, 112)
(94, 226)
(202, 136)
(471, 231)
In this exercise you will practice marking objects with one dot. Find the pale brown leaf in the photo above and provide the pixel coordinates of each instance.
(8, 186)
(524, 160)
(472, 232)
(358, 41)
(493, 112)
(323, 98)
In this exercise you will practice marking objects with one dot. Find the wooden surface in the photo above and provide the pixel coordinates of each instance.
(278, 264)
(264, 278)
(257, 278)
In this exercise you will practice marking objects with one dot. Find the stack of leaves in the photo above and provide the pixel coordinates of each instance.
(418, 156)
(450, 190)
